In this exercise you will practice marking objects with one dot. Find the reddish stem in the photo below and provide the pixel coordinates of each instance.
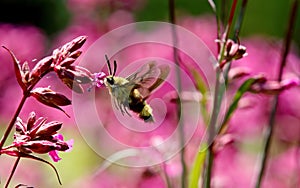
(13, 171)
(13, 120)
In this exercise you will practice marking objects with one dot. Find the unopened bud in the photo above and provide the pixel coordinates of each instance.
(49, 128)
(41, 68)
(31, 120)
(238, 72)
(76, 43)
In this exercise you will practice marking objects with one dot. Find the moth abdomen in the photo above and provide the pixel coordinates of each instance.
(146, 114)
(138, 105)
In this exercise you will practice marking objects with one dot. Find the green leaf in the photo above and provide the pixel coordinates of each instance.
(197, 167)
(213, 6)
(202, 88)
(238, 95)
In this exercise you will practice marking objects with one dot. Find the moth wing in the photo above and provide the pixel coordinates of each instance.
(164, 71)
(149, 77)
(145, 75)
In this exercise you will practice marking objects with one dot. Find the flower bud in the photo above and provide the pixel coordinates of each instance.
(67, 62)
(75, 54)
(46, 95)
(274, 87)
(40, 146)
(238, 72)
(25, 73)
(50, 98)
(76, 43)
(20, 127)
(233, 51)
(31, 120)
(41, 68)
(49, 128)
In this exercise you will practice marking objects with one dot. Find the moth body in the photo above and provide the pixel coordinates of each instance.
(131, 92)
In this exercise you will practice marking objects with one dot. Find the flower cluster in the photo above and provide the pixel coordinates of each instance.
(38, 136)
(71, 75)
(61, 61)
(232, 51)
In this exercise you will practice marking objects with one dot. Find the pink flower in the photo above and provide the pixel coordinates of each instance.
(28, 43)
(54, 153)
(99, 79)
(37, 136)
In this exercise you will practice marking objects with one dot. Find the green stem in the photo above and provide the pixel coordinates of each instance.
(179, 87)
(269, 131)
(218, 94)
(239, 22)
(12, 172)
(167, 178)
(237, 28)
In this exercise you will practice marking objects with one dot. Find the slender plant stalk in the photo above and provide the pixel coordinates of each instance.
(12, 122)
(167, 178)
(12, 171)
(212, 130)
(218, 95)
(179, 87)
(238, 24)
(269, 131)
(26, 94)
(237, 28)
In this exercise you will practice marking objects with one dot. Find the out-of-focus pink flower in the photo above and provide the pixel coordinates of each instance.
(92, 6)
(28, 43)
(283, 170)
(233, 168)
(151, 179)
(205, 27)
(114, 20)
(274, 87)
(266, 62)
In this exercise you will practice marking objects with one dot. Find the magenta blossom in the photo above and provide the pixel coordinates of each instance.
(99, 79)
(54, 153)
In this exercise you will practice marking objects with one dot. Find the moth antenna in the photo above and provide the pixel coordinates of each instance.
(108, 64)
(115, 67)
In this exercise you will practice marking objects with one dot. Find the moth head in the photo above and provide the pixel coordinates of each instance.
(109, 80)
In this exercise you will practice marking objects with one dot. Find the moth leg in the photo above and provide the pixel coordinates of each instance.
(116, 104)
(127, 111)
(125, 107)
(120, 108)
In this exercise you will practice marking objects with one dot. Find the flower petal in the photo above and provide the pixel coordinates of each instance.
(54, 156)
